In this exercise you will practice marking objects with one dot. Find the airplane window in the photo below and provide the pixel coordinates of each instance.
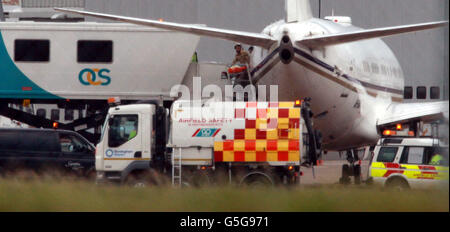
(366, 67)
(31, 50)
(393, 73)
(383, 70)
(421, 92)
(375, 68)
(41, 113)
(408, 93)
(68, 115)
(95, 51)
(54, 115)
(435, 92)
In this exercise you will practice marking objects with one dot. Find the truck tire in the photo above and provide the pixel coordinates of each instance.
(397, 183)
(145, 179)
(136, 181)
(91, 174)
(257, 180)
(200, 179)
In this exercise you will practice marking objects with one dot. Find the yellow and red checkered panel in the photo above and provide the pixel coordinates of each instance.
(256, 151)
(271, 133)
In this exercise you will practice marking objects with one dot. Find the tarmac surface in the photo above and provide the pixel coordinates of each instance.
(328, 172)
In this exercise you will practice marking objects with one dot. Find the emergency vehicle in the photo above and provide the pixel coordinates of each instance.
(206, 141)
(410, 162)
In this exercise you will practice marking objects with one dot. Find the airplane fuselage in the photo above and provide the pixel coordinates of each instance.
(351, 85)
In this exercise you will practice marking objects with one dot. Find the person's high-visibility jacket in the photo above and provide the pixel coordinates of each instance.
(436, 160)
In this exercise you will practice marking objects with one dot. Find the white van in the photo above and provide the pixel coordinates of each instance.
(410, 163)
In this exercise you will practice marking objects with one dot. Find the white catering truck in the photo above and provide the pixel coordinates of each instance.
(198, 142)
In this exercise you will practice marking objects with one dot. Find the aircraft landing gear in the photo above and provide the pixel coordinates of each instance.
(351, 169)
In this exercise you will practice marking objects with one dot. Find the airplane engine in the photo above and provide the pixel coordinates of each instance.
(286, 50)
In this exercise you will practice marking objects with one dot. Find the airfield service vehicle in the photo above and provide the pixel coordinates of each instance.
(245, 143)
(410, 163)
(406, 156)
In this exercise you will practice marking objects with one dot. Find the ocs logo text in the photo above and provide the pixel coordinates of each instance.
(94, 77)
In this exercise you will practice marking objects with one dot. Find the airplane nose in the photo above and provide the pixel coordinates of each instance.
(286, 50)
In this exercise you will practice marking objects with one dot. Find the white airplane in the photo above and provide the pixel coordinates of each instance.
(353, 78)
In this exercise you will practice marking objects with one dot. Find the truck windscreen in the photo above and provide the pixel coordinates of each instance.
(122, 128)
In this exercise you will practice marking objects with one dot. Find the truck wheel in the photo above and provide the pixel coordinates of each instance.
(143, 179)
(257, 180)
(397, 184)
(200, 179)
(91, 174)
(136, 181)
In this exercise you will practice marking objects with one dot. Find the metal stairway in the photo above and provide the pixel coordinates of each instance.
(176, 168)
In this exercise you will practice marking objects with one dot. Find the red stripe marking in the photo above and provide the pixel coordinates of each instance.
(431, 170)
(427, 167)
(389, 172)
(391, 165)
(217, 131)
(27, 88)
(196, 132)
(425, 178)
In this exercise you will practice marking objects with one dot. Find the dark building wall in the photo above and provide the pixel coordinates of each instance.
(423, 55)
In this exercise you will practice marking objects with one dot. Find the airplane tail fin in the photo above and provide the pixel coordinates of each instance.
(298, 10)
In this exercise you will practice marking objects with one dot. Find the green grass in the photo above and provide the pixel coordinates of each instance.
(69, 195)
